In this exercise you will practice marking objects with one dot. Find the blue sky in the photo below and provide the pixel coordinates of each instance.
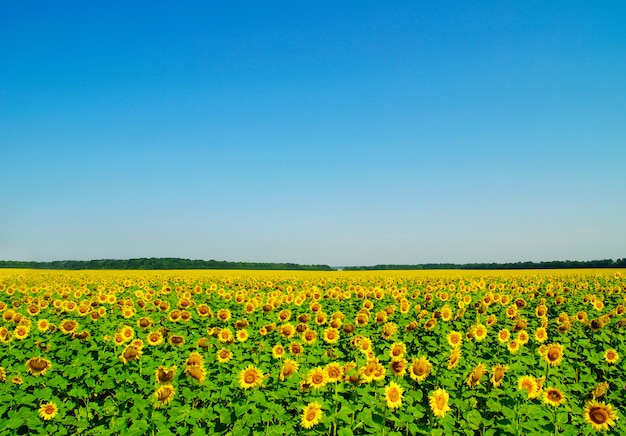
(341, 133)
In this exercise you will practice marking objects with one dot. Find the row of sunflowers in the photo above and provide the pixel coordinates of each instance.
(342, 353)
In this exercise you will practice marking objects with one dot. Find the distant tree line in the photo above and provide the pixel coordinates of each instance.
(162, 263)
(555, 264)
(165, 263)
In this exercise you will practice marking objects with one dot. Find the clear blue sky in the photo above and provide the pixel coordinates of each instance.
(342, 133)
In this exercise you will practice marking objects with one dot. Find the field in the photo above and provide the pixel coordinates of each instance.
(245, 352)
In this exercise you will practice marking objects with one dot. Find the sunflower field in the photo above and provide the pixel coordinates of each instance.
(338, 353)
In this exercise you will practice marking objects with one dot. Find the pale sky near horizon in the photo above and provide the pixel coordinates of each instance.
(339, 133)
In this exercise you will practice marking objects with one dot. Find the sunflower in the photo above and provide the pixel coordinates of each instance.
(126, 332)
(309, 336)
(397, 350)
(130, 353)
(223, 315)
(541, 335)
(553, 397)
(514, 346)
(296, 349)
(600, 415)
(596, 325)
(43, 325)
(430, 324)
(82, 335)
(316, 378)
(511, 312)
(242, 335)
(38, 365)
(611, 356)
(145, 322)
(311, 414)
(224, 355)
(196, 371)
(389, 329)
(3, 375)
(278, 351)
(480, 332)
(290, 367)
(334, 372)
(195, 358)
(331, 335)
(164, 375)
(599, 391)
(164, 394)
(446, 313)
(420, 368)
(454, 358)
(554, 354)
(203, 343)
(361, 319)
(503, 336)
(474, 377)
(523, 337)
(8, 315)
(204, 310)
(497, 374)
(250, 377)
(225, 335)
(284, 315)
(350, 373)
(48, 411)
(455, 339)
(321, 318)
(398, 366)
(438, 401)
(176, 340)
(154, 338)
(364, 344)
(21, 332)
(393, 395)
(528, 384)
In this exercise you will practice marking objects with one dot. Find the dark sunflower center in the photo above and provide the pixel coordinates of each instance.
(250, 378)
(164, 394)
(599, 416)
(440, 401)
(318, 378)
(553, 355)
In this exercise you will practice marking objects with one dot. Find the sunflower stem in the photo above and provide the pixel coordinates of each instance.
(336, 409)
(517, 420)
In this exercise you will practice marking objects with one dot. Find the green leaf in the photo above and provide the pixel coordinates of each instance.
(139, 427)
(14, 423)
(344, 431)
(474, 418)
(509, 413)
